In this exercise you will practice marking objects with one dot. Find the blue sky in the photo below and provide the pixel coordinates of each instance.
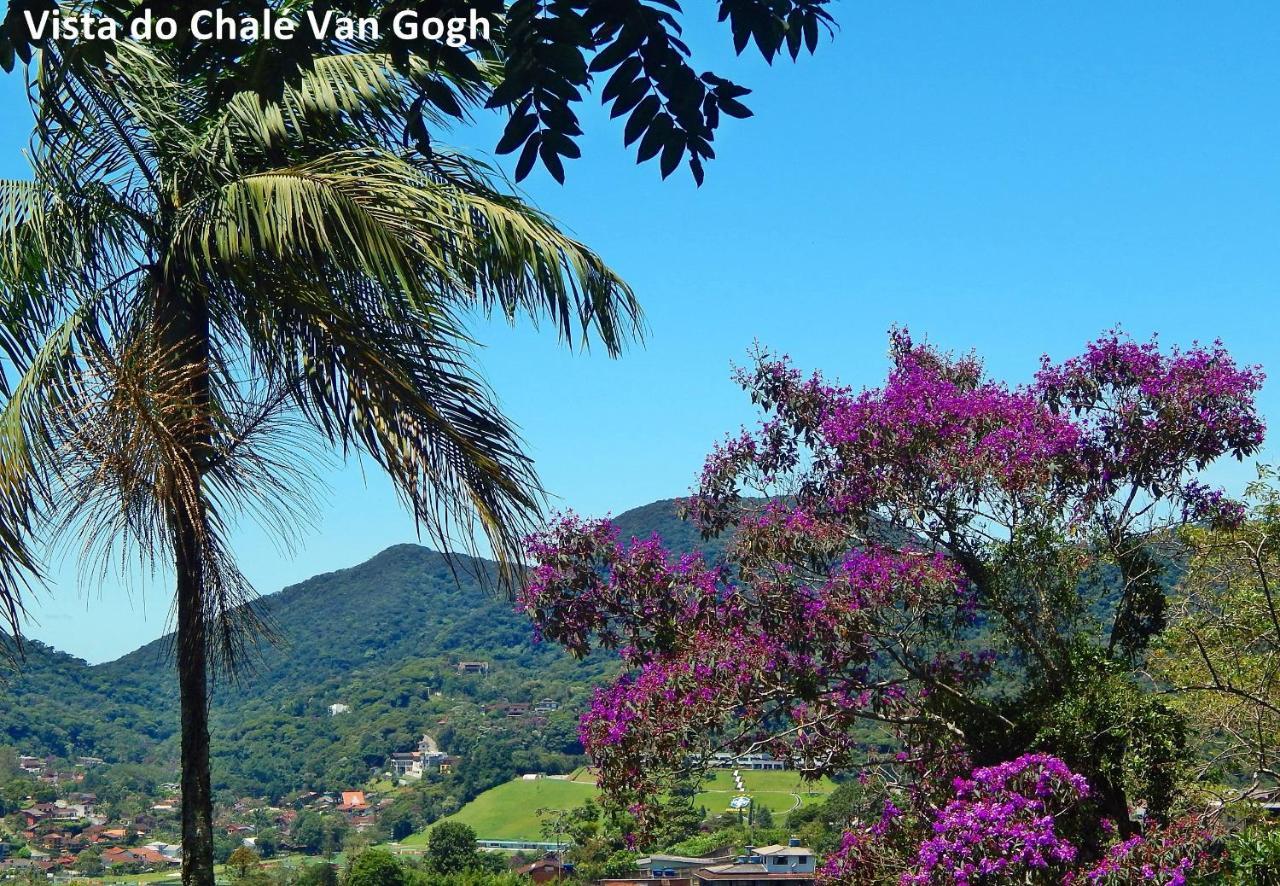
(1010, 177)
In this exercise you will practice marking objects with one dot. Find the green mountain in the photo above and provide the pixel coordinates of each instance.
(383, 639)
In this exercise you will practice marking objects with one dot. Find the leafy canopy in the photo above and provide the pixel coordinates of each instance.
(538, 61)
(937, 572)
(272, 280)
(1220, 655)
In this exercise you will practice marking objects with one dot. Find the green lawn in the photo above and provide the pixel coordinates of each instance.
(157, 877)
(780, 791)
(220, 872)
(509, 811)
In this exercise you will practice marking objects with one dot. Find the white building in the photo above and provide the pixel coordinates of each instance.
(790, 859)
(414, 764)
(757, 761)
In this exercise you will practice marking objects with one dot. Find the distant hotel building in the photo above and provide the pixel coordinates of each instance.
(724, 760)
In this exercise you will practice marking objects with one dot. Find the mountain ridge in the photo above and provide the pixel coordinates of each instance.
(383, 636)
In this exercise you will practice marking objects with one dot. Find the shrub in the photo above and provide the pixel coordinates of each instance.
(1253, 857)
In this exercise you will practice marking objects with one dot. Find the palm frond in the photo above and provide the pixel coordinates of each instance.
(29, 451)
(433, 238)
(403, 393)
(331, 270)
(525, 265)
(360, 97)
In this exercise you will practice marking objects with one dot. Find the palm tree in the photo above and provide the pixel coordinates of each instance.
(198, 294)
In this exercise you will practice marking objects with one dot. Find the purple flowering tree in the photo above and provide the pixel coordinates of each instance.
(938, 573)
(1011, 823)
(1003, 826)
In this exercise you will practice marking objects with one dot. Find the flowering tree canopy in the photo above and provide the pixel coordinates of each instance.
(940, 572)
(1014, 823)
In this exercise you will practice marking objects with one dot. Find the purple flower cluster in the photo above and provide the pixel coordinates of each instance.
(1001, 825)
(937, 421)
(1164, 855)
(702, 651)
(866, 854)
(1202, 503)
(1147, 418)
(1122, 415)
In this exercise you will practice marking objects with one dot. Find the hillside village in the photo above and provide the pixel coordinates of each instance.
(435, 736)
(61, 831)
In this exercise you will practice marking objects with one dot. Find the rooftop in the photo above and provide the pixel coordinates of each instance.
(782, 850)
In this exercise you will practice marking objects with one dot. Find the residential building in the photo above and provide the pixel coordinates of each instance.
(414, 764)
(748, 873)
(352, 801)
(656, 865)
(473, 667)
(405, 764)
(793, 864)
(168, 850)
(32, 817)
(790, 859)
(790, 865)
(545, 870)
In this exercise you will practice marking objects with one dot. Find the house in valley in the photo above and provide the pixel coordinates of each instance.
(352, 801)
(544, 870)
(790, 865)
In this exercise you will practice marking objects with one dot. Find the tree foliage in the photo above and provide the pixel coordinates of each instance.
(243, 862)
(965, 567)
(375, 867)
(1220, 655)
(452, 848)
(537, 63)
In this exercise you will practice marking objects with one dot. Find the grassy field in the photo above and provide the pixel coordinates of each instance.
(509, 811)
(220, 872)
(780, 791)
(157, 877)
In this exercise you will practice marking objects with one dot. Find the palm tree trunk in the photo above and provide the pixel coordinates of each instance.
(183, 320)
(197, 796)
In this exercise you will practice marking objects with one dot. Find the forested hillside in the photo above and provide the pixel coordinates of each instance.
(382, 638)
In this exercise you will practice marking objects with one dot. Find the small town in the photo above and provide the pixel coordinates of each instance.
(64, 833)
